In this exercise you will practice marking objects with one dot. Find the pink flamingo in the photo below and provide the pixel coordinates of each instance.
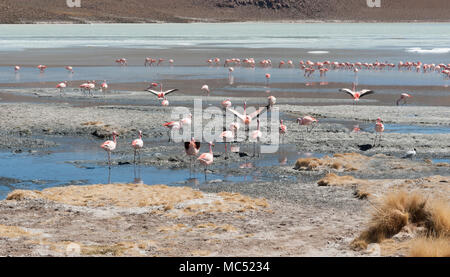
(186, 121)
(110, 145)
(137, 144)
(160, 94)
(230, 75)
(404, 97)
(104, 86)
(267, 78)
(16, 68)
(356, 95)
(61, 86)
(307, 121)
(207, 159)
(42, 68)
(379, 129)
(228, 135)
(271, 101)
(192, 149)
(247, 118)
(70, 69)
(173, 126)
(256, 137)
(165, 102)
(283, 130)
(226, 104)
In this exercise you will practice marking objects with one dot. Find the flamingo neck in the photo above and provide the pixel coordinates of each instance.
(210, 149)
(114, 138)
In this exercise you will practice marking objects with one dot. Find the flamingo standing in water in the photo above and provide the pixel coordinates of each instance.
(206, 89)
(379, 129)
(267, 78)
(191, 148)
(110, 145)
(283, 130)
(42, 68)
(227, 136)
(271, 101)
(69, 69)
(207, 159)
(404, 97)
(256, 136)
(230, 75)
(137, 144)
(61, 86)
(356, 94)
(173, 126)
(307, 121)
(104, 86)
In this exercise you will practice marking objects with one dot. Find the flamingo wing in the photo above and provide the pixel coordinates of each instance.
(257, 112)
(238, 114)
(197, 145)
(154, 92)
(170, 91)
(348, 91)
(365, 92)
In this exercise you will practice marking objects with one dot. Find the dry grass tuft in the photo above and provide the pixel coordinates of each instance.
(399, 209)
(339, 162)
(123, 195)
(430, 247)
(307, 163)
(332, 179)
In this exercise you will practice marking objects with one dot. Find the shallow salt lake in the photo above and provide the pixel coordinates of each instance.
(78, 164)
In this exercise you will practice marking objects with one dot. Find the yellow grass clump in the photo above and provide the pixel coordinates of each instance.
(430, 247)
(332, 179)
(344, 161)
(123, 195)
(398, 209)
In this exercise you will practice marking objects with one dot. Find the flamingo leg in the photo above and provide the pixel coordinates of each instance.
(109, 159)
(134, 160)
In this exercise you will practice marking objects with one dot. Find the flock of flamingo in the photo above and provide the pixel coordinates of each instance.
(192, 147)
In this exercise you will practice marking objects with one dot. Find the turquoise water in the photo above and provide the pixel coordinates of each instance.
(406, 37)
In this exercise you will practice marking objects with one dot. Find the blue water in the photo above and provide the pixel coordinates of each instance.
(132, 74)
(41, 170)
(324, 36)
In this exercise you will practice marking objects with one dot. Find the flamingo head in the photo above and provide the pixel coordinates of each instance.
(299, 120)
(140, 133)
(379, 119)
(114, 133)
(211, 143)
